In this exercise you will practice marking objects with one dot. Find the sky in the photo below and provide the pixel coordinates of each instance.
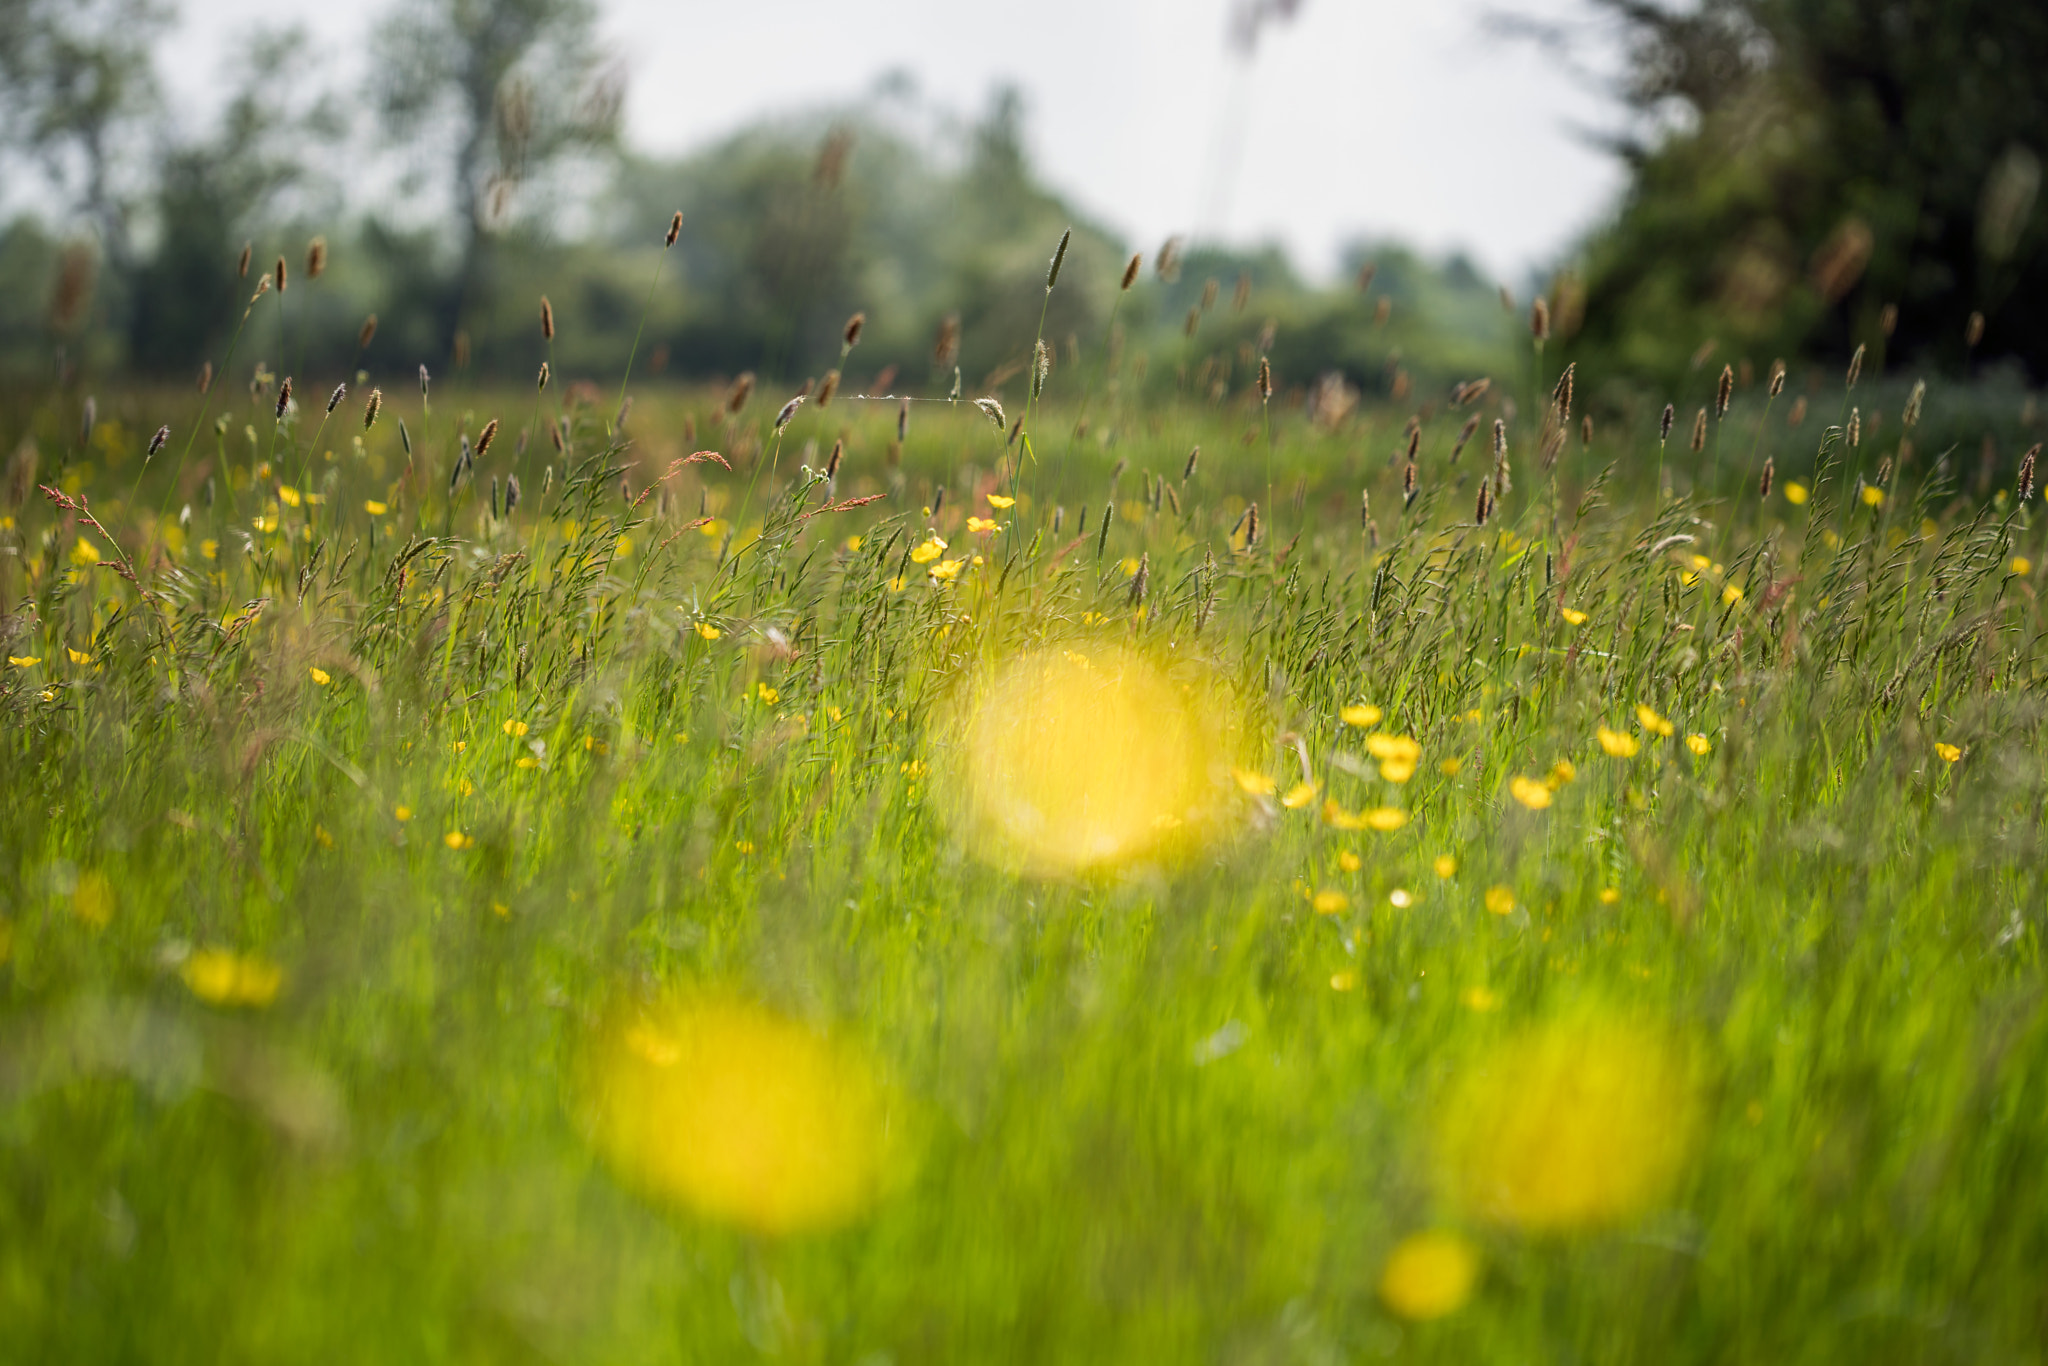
(1354, 119)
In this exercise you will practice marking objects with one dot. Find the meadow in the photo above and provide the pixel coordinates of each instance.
(1005, 899)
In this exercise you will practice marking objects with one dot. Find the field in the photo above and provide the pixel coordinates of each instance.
(707, 911)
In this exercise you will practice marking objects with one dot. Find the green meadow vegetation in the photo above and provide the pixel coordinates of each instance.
(1193, 872)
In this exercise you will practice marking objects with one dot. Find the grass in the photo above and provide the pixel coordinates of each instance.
(335, 850)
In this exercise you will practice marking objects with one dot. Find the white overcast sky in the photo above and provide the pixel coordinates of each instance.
(1359, 118)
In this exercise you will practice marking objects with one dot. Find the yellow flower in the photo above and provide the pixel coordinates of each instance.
(624, 548)
(501, 910)
(1618, 744)
(1872, 495)
(1652, 722)
(929, 551)
(1330, 901)
(515, 727)
(78, 656)
(221, 978)
(466, 787)
(458, 746)
(209, 549)
(1699, 744)
(1386, 819)
(1480, 1000)
(375, 508)
(1397, 770)
(1257, 784)
(455, 839)
(1400, 749)
(708, 631)
(1731, 595)
(896, 584)
(262, 523)
(853, 543)
(402, 813)
(981, 524)
(527, 761)
(913, 769)
(2022, 566)
(1446, 866)
(1561, 772)
(1529, 792)
(24, 661)
(1451, 768)
(1000, 502)
(1300, 795)
(92, 900)
(1360, 714)
(1700, 562)
(946, 570)
(1500, 900)
(743, 846)
(1337, 818)
(1343, 981)
(1349, 861)
(1610, 895)
(1795, 492)
(1429, 1275)
(84, 553)
(287, 495)
(1569, 1125)
(742, 1116)
(1949, 753)
(320, 675)
(769, 696)
(48, 694)
(1573, 616)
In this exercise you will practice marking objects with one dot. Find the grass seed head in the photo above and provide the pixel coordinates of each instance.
(1131, 270)
(1724, 393)
(832, 460)
(1699, 431)
(366, 333)
(1194, 458)
(903, 421)
(2025, 487)
(782, 419)
(828, 387)
(742, 390)
(1855, 367)
(1763, 485)
(284, 397)
(540, 381)
(206, 377)
(316, 258)
(547, 319)
(850, 336)
(278, 275)
(334, 399)
(242, 263)
(1888, 320)
(1539, 319)
(1973, 331)
(1777, 378)
(156, 443)
(675, 230)
(486, 437)
(371, 408)
(1059, 258)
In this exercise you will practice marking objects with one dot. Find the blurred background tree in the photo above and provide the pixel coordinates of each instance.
(1802, 165)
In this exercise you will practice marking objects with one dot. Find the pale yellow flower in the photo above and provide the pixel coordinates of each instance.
(1349, 861)
(1300, 795)
(1529, 792)
(1429, 1275)
(1731, 595)
(287, 495)
(1330, 901)
(1872, 495)
(708, 631)
(1618, 744)
(1699, 744)
(1795, 492)
(375, 508)
(1573, 616)
(1360, 714)
(999, 501)
(930, 550)
(1257, 784)
(1446, 866)
(222, 978)
(1500, 900)
(84, 553)
(1399, 748)
(1652, 722)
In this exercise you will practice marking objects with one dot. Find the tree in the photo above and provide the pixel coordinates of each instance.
(76, 82)
(1824, 159)
(499, 93)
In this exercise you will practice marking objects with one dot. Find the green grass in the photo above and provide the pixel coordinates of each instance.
(1135, 1117)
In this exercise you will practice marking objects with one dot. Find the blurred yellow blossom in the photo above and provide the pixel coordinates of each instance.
(1000, 502)
(1429, 1275)
(320, 675)
(1795, 492)
(1446, 865)
(1529, 792)
(1330, 901)
(1360, 714)
(1872, 495)
(24, 661)
(1651, 721)
(707, 631)
(977, 525)
(92, 899)
(1731, 595)
(84, 553)
(1618, 744)
(1349, 861)
(1500, 900)
(1300, 795)
(1699, 744)
(222, 978)
(1949, 753)
(1573, 616)
(515, 727)
(375, 508)
(1257, 784)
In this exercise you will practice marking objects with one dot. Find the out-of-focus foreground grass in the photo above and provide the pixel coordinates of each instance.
(695, 914)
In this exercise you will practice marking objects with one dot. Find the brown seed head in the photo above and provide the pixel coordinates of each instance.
(1888, 320)
(851, 337)
(1167, 263)
(1561, 396)
(1664, 423)
(1265, 380)
(1855, 367)
(1855, 426)
(782, 418)
(1911, 416)
(284, 397)
(1797, 414)
(372, 408)
(675, 230)
(205, 377)
(2025, 487)
(1059, 258)
(1777, 378)
(903, 421)
(1763, 485)
(547, 319)
(1725, 393)
(827, 387)
(1188, 470)
(316, 258)
(1464, 435)
(540, 381)
(242, 265)
(334, 399)
(485, 437)
(832, 460)
(1539, 319)
(366, 333)
(1408, 483)
(156, 443)
(1699, 431)
(742, 390)
(1973, 331)
(278, 275)
(1131, 270)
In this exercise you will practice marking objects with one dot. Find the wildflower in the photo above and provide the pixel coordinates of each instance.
(1699, 744)
(375, 508)
(515, 728)
(322, 838)
(78, 656)
(1446, 866)
(1795, 492)
(1569, 1125)
(321, 676)
(455, 839)
(946, 571)
(1500, 900)
(1397, 770)
(930, 550)
(1001, 503)
(1399, 748)
(1529, 793)
(1949, 753)
(2022, 566)
(769, 696)
(402, 813)
(1731, 595)
(84, 553)
(1300, 795)
(1655, 724)
(287, 495)
(1343, 981)
(1618, 744)
(1349, 861)
(209, 549)
(1610, 896)
(24, 661)
(1360, 714)
(527, 761)
(982, 524)
(1573, 616)
(1872, 495)
(1386, 819)
(1451, 767)
(1330, 901)
(624, 549)
(222, 978)
(741, 1116)
(1480, 1000)
(1561, 772)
